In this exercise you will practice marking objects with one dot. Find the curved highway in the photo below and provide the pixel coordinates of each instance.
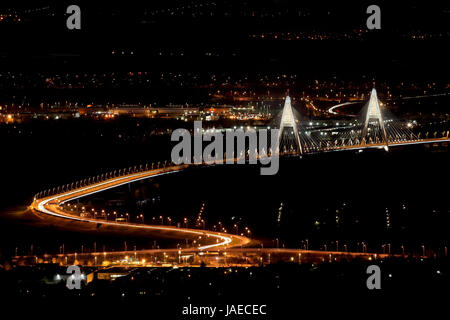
(331, 110)
(50, 205)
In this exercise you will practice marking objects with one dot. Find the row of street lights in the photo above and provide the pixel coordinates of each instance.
(100, 178)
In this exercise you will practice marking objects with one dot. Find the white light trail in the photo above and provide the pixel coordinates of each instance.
(41, 206)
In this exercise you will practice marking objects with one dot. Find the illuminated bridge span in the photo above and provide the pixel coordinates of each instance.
(50, 204)
(374, 130)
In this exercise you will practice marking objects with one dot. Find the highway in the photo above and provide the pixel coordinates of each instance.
(49, 209)
(51, 206)
(237, 257)
(331, 110)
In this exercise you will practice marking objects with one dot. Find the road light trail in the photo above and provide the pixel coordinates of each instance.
(50, 206)
(331, 110)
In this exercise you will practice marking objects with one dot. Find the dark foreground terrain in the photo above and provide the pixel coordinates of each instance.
(320, 290)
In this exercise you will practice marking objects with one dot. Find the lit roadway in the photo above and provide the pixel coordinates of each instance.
(50, 211)
(331, 110)
(390, 144)
(51, 206)
(239, 257)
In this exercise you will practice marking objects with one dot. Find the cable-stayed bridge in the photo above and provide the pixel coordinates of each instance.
(372, 130)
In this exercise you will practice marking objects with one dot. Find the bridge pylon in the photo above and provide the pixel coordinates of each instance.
(374, 113)
(288, 121)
